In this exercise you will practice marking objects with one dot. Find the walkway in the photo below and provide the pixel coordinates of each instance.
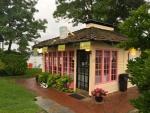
(117, 102)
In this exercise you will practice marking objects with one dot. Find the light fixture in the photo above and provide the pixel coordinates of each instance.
(39, 50)
(87, 50)
(133, 51)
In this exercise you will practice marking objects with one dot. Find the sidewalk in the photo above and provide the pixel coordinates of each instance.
(117, 102)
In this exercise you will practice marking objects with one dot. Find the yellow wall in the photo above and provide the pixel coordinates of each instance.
(122, 61)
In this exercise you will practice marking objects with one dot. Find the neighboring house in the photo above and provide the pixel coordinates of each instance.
(89, 56)
(35, 61)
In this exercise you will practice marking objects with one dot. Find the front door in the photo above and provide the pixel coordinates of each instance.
(83, 69)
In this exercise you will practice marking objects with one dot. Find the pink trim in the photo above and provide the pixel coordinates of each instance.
(111, 73)
(56, 61)
(52, 64)
(46, 62)
(68, 62)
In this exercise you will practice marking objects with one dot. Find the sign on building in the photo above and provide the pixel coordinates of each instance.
(45, 49)
(61, 47)
(85, 45)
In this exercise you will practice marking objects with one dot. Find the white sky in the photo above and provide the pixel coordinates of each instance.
(46, 9)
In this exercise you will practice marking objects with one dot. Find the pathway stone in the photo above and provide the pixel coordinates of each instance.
(51, 106)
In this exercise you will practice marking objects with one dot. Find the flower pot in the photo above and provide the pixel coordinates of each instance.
(36, 77)
(99, 99)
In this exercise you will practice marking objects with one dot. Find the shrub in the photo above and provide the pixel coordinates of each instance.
(15, 64)
(51, 82)
(64, 83)
(43, 77)
(2, 65)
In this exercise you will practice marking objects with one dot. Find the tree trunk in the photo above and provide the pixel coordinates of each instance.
(9, 46)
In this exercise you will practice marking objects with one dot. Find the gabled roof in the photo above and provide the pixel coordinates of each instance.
(86, 34)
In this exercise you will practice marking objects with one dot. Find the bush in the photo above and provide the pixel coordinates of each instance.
(44, 77)
(51, 82)
(2, 65)
(140, 76)
(142, 102)
(14, 64)
(64, 83)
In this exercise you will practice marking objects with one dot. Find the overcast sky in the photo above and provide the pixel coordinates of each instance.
(46, 9)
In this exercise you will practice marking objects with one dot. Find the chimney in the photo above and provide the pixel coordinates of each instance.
(101, 25)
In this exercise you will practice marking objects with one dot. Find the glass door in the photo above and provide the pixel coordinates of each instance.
(83, 69)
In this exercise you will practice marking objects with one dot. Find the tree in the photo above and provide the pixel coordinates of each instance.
(137, 28)
(17, 24)
(79, 11)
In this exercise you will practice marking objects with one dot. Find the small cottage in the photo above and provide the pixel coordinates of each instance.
(88, 55)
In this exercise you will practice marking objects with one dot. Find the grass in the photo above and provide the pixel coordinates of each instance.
(31, 72)
(16, 99)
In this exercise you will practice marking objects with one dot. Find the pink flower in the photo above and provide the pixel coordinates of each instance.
(98, 92)
(97, 95)
(106, 91)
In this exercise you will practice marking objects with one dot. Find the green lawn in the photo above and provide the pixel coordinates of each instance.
(16, 99)
(30, 72)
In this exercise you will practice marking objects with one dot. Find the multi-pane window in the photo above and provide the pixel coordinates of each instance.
(65, 63)
(105, 66)
(59, 62)
(54, 63)
(71, 64)
(50, 62)
(46, 63)
(98, 67)
(114, 65)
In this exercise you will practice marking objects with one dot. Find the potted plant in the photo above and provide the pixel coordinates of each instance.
(37, 77)
(98, 94)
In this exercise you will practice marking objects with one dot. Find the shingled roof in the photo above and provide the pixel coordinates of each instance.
(86, 34)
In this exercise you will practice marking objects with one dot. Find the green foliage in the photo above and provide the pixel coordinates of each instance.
(2, 65)
(15, 99)
(17, 23)
(140, 71)
(136, 27)
(56, 81)
(44, 77)
(15, 64)
(25, 56)
(79, 11)
(64, 83)
(143, 102)
(51, 82)
(31, 72)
